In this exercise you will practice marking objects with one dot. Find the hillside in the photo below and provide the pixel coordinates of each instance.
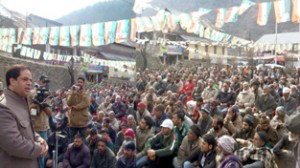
(245, 27)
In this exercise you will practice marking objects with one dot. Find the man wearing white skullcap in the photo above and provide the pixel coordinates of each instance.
(225, 156)
(289, 103)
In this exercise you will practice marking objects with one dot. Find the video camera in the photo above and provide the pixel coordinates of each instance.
(42, 93)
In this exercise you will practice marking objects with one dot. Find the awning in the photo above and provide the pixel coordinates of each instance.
(117, 57)
(279, 59)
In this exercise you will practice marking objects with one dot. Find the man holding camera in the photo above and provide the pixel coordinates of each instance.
(79, 102)
(39, 109)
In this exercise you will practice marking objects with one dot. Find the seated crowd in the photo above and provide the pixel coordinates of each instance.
(181, 118)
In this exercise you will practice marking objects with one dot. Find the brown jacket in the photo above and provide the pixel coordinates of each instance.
(18, 148)
(185, 150)
(40, 121)
(79, 114)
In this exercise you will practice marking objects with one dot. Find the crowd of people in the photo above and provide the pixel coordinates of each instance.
(182, 117)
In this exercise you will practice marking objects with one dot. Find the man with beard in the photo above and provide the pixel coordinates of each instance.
(205, 155)
(256, 154)
(245, 98)
(127, 160)
(79, 102)
(289, 103)
(160, 86)
(246, 132)
(119, 108)
(77, 155)
(233, 119)
(196, 94)
(265, 103)
(103, 156)
(92, 140)
(226, 96)
(264, 125)
(209, 93)
(225, 157)
(205, 120)
(217, 129)
(141, 111)
(284, 150)
(143, 133)
(105, 106)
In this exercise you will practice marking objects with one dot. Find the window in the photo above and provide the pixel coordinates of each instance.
(215, 49)
(223, 50)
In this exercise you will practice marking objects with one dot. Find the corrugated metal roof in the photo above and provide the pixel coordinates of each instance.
(282, 38)
(117, 57)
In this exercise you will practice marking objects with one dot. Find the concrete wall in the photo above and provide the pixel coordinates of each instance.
(58, 75)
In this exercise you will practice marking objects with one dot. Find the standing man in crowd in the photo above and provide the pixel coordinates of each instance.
(79, 102)
(19, 145)
(40, 110)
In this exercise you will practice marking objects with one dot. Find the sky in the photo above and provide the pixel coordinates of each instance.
(51, 9)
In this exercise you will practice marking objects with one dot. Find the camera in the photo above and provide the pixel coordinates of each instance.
(42, 93)
(75, 87)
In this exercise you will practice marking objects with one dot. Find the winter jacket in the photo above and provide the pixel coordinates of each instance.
(77, 157)
(79, 116)
(105, 160)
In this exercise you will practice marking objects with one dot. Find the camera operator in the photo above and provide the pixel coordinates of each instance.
(79, 102)
(39, 109)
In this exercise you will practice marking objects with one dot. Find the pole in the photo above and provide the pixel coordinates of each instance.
(299, 46)
(275, 42)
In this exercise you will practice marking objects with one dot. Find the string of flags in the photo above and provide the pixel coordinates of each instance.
(86, 58)
(104, 33)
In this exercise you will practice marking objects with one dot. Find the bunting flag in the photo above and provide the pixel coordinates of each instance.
(85, 35)
(148, 25)
(282, 10)
(140, 28)
(12, 36)
(110, 32)
(20, 35)
(201, 30)
(246, 4)
(5, 34)
(185, 20)
(162, 17)
(35, 35)
(194, 23)
(173, 21)
(296, 11)
(207, 33)
(64, 36)
(23, 51)
(54, 36)
(155, 23)
(98, 34)
(27, 36)
(232, 14)
(43, 36)
(133, 30)
(203, 11)
(221, 12)
(122, 33)
(264, 9)
(74, 32)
